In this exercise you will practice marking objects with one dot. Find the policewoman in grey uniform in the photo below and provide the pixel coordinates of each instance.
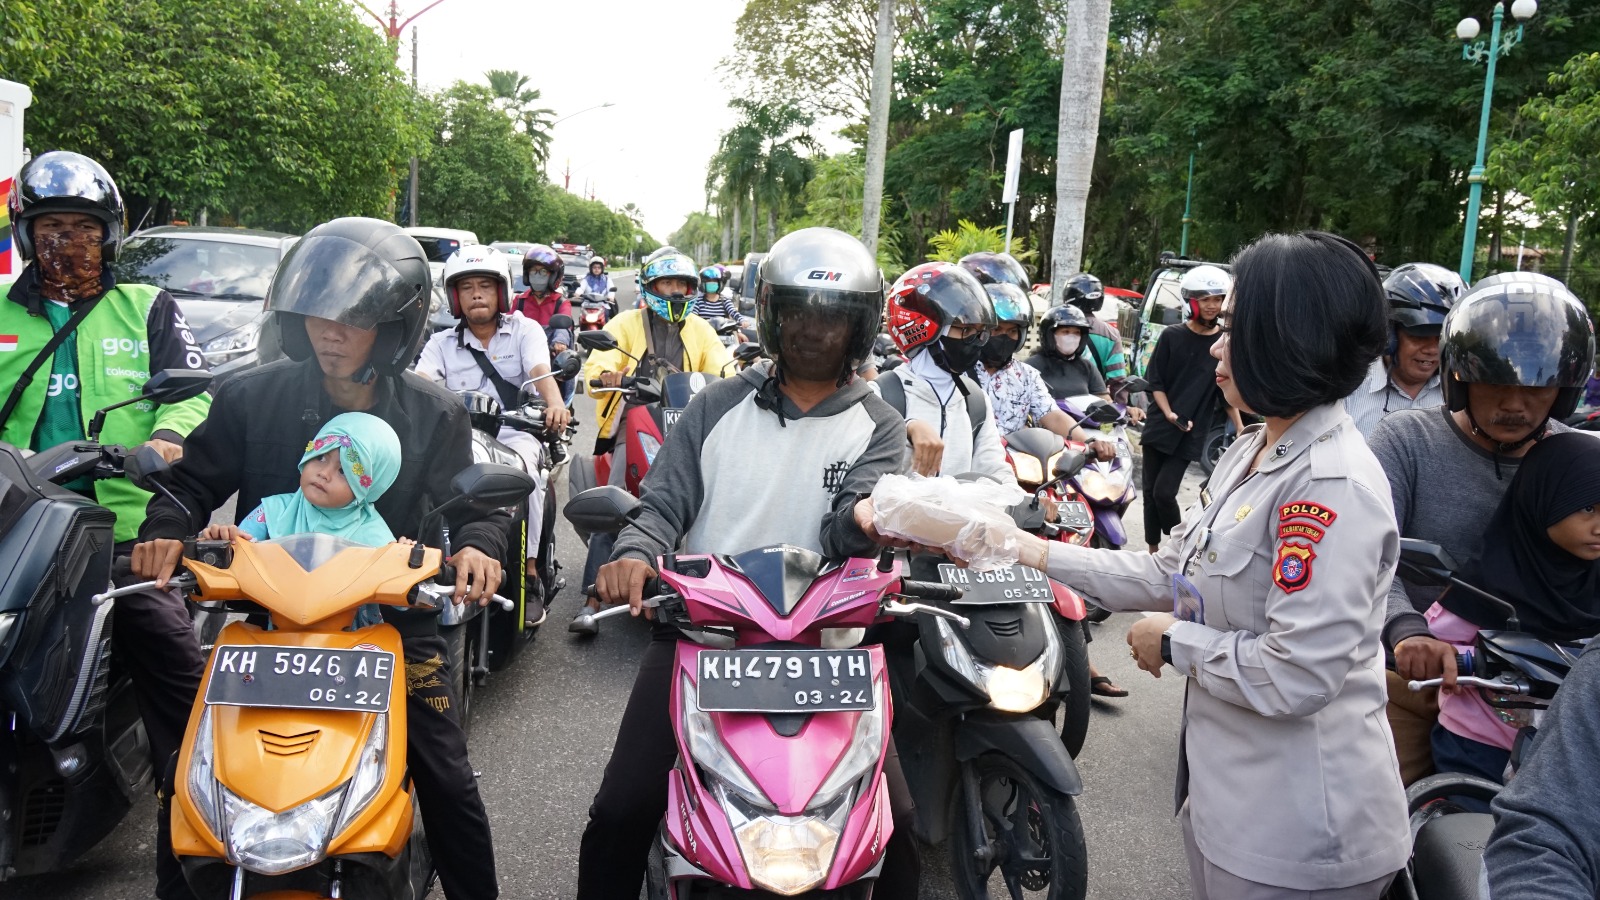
(1288, 784)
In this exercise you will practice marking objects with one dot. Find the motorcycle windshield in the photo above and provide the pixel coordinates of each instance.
(781, 574)
(312, 551)
(679, 387)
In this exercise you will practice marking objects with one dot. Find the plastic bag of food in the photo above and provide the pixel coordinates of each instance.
(966, 519)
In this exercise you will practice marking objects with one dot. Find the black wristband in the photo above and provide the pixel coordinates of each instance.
(1166, 648)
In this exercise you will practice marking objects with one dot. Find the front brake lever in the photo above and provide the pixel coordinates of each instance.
(896, 608)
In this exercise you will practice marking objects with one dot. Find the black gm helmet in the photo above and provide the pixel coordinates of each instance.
(365, 273)
(823, 271)
(63, 181)
(1062, 317)
(1083, 291)
(1517, 328)
(995, 268)
(1421, 295)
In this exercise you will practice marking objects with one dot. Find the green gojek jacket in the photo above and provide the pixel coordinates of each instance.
(134, 331)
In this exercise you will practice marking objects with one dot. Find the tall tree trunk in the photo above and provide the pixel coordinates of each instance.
(772, 225)
(727, 242)
(1083, 74)
(754, 218)
(878, 126)
(738, 205)
(1570, 246)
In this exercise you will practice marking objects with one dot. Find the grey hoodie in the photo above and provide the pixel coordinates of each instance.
(735, 474)
(1546, 841)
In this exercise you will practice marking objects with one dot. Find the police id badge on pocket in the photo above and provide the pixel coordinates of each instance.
(1187, 604)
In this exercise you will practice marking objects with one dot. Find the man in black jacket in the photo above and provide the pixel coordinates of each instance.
(351, 303)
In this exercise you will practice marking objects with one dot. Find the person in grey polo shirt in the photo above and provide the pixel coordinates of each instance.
(1407, 375)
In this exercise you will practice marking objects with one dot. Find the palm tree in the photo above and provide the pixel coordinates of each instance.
(1082, 81)
(512, 94)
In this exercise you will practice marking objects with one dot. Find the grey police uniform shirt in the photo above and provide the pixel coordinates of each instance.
(732, 477)
(1378, 397)
(1287, 761)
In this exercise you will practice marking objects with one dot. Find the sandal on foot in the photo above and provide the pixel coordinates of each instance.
(1101, 686)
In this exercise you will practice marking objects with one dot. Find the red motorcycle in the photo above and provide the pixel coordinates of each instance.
(595, 313)
(1044, 464)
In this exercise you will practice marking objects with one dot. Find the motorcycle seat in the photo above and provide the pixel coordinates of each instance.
(1448, 854)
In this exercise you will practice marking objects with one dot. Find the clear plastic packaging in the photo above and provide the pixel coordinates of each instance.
(966, 519)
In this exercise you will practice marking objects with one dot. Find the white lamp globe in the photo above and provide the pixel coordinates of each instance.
(1467, 29)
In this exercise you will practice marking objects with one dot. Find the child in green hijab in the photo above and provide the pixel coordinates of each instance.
(345, 469)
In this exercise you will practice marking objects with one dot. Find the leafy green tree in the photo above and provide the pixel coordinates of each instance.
(476, 174)
(952, 245)
(512, 94)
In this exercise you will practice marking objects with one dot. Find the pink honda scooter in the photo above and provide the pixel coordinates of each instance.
(779, 784)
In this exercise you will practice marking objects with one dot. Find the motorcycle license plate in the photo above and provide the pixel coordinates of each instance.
(1075, 515)
(1014, 584)
(300, 678)
(669, 418)
(785, 681)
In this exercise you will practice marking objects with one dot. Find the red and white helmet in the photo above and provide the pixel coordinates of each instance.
(477, 259)
(928, 299)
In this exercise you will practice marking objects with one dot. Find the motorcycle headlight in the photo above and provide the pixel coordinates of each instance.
(1096, 486)
(651, 447)
(1015, 690)
(232, 345)
(955, 652)
(1009, 690)
(787, 855)
(866, 746)
(362, 788)
(203, 784)
(274, 843)
(8, 623)
(710, 754)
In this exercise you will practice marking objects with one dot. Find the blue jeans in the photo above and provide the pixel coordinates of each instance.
(1454, 753)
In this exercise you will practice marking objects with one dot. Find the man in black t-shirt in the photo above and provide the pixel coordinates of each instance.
(1183, 387)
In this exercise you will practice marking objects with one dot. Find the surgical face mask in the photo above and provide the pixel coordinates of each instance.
(1068, 343)
(69, 265)
(999, 350)
(539, 282)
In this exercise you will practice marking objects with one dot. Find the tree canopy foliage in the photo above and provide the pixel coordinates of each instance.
(1354, 117)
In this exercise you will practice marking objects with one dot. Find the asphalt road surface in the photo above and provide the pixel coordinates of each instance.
(543, 730)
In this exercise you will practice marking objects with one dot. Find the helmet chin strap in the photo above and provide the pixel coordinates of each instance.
(1502, 446)
(365, 375)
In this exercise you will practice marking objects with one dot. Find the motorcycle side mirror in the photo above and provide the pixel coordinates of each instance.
(1425, 562)
(1069, 464)
(1103, 413)
(566, 365)
(488, 486)
(597, 340)
(558, 322)
(748, 351)
(146, 469)
(1136, 385)
(728, 327)
(166, 387)
(602, 510)
(647, 391)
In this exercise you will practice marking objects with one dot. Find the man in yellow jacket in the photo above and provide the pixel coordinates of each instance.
(661, 334)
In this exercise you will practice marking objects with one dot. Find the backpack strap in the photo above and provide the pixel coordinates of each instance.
(977, 407)
(47, 353)
(893, 392)
(508, 394)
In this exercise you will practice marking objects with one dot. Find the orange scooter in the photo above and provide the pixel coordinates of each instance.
(292, 782)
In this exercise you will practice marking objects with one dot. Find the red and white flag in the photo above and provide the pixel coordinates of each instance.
(8, 343)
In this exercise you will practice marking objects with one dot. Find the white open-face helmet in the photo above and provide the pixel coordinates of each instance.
(477, 260)
(1203, 281)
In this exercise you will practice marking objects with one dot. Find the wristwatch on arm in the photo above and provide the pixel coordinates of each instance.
(1166, 648)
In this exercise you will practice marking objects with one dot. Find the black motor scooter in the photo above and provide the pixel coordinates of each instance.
(1520, 674)
(73, 752)
(975, 728)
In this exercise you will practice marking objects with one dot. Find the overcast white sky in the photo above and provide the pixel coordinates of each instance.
(649, 152)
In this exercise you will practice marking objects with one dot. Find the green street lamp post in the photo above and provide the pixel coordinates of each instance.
(1188, 196)
(1485, 52)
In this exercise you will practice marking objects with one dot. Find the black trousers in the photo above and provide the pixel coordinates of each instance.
(632, 799)
(153, 636)
(453, 816)
(1163, 475)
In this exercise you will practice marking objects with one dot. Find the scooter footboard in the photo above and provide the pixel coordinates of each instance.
(1031, 741)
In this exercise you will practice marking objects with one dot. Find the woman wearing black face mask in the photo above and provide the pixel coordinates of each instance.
(941, 319)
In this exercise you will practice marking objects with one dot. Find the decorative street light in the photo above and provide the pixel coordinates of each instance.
(581, 112)
(1485, 52)
(392, 30)
(1188, 195)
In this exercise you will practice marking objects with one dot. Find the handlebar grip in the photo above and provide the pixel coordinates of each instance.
(927, 590)
(1464, 663)
(596, 383)
(122, 567)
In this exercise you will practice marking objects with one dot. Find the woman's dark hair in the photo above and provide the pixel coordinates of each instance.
(1308, 319)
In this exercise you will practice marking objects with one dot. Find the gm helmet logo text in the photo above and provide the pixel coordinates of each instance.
(823, 275)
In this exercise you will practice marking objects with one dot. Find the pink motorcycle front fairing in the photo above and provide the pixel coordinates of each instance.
(788, 769)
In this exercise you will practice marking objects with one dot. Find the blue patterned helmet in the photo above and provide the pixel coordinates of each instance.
(675, 307)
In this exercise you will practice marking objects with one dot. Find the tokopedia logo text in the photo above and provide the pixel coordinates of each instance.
(113, 372)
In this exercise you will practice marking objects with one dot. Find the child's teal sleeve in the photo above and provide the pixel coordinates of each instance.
(255, 524)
